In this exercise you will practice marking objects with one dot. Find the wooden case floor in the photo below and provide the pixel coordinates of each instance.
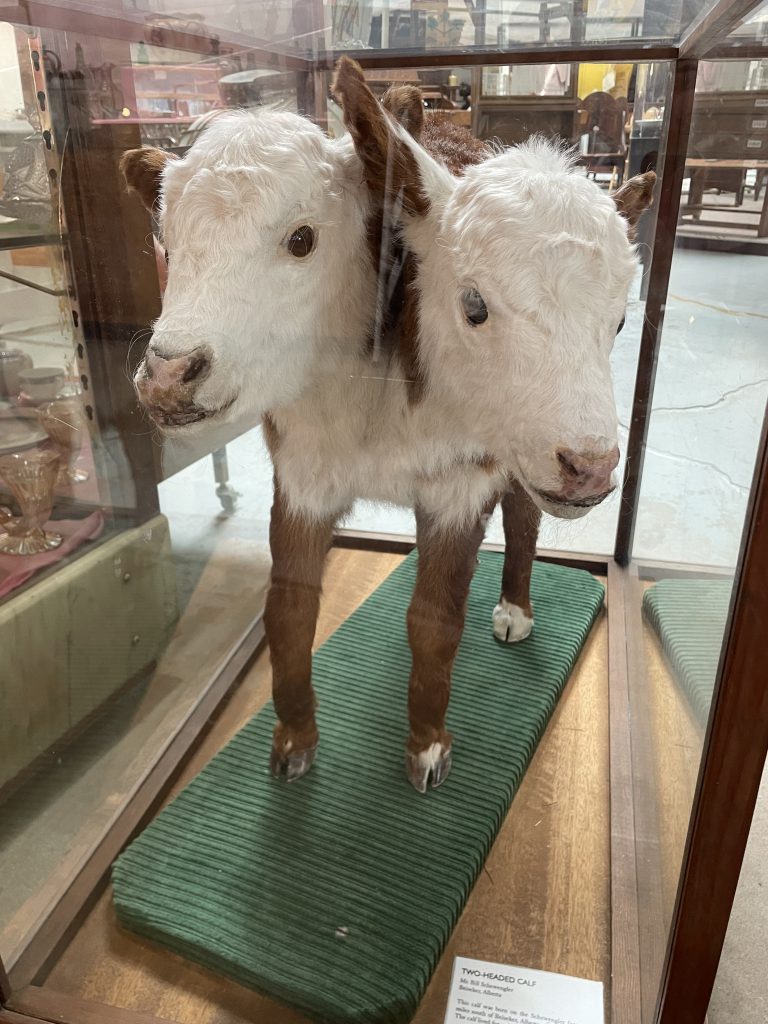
(543, 900)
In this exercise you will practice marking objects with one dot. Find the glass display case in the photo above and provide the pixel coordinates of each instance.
(144, 565)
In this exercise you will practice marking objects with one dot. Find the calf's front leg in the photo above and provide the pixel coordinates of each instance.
(447, 560)
(513, 615)
(299, 548)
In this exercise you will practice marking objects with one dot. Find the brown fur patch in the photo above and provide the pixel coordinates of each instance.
(408, 349)
(521, 529)
(392, 176)
(299, 548)
(398, 326)
(453, 145)
(635, 196)
(389, 167)
(447, 561)
(143, 171)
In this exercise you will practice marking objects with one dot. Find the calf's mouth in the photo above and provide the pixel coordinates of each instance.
(186, 415)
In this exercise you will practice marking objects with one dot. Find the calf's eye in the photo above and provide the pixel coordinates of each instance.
(475, 309)
(301, 242)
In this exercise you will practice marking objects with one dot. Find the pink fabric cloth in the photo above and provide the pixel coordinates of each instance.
(16, 569)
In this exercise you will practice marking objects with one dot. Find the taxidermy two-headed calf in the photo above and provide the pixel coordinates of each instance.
(426, 323)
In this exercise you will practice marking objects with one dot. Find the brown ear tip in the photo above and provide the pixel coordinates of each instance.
(405, 104)
(346, 68)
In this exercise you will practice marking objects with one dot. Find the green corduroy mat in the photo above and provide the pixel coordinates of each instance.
(689, 618)
(336, 894)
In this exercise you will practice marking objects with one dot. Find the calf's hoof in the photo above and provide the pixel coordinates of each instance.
(511, 623)
(428, 768)
(290, 767)
(292, 756)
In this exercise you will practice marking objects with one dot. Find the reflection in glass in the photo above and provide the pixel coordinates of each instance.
(31, 477)
(64, 422)
(149, 611)
(708, 409)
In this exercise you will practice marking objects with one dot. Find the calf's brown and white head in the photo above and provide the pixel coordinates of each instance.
(263, 223)
(524, 269)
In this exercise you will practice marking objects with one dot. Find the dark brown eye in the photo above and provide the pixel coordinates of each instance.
(301, 242)
(618, 329)
(475, 309)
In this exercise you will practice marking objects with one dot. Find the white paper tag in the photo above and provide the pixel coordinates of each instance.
(484, 993)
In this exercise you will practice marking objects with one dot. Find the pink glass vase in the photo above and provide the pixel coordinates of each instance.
(64, 422)
(31, 477)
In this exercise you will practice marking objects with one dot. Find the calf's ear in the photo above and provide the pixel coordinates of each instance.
(396, 168)
(142, 170)
(635, 196)
(406, 104)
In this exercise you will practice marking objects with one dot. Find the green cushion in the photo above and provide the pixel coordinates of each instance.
(689, 617)
(337, 894)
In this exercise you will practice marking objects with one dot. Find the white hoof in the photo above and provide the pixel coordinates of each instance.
(510, 623)
(428, 768)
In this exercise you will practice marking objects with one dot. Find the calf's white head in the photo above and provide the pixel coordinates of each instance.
(263, 223)
(524, 269)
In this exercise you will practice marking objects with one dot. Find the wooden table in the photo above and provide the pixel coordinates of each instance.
(696, 163)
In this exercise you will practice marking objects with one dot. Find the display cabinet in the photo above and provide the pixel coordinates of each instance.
(134, 565)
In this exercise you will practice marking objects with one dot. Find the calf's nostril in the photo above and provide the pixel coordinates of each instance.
(568, 460)
(198, 365)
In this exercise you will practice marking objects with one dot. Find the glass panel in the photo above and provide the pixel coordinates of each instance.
(153, 518)
(102, 654)
(708, 408)
(131, 622)
(312, 27)
(753, 30)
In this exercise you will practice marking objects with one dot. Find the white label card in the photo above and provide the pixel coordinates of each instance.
(483, 993)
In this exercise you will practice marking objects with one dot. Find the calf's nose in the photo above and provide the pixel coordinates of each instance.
(169, 384)
(586, 474)
(172, 371)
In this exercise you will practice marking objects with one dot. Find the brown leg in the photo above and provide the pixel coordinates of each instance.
(513, 615)
(447, 561)
(299, 548)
